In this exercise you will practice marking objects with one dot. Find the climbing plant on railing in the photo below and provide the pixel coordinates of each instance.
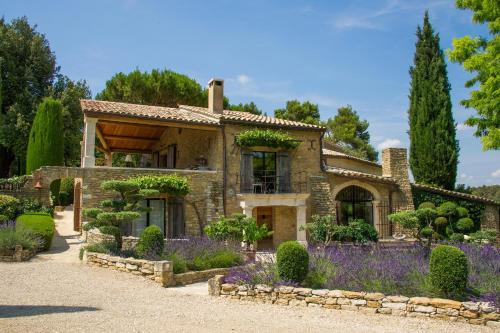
(266, 138)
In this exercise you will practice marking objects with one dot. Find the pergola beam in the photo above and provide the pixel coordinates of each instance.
(130, 138)
(102, 138)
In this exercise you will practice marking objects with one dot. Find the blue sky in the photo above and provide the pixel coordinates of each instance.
(329, 52)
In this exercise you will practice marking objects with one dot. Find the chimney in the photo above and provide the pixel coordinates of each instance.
(395, 165)
(216, 95)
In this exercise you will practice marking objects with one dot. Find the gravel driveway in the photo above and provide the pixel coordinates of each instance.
(56, 293)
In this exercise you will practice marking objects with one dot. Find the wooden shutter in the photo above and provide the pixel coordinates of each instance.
(176, 225)
(171, 156)
(246, 172)
(283, 166)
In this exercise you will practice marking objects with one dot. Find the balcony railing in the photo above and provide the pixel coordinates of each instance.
(267, 182)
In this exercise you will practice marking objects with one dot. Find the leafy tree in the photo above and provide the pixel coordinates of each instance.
(351, 133)
(46, 144)
(433, 146)
(306, 112)
(70, 93)
(27, 70)
(487, 191)
(247, 107)
(158, 87)
(480, 55)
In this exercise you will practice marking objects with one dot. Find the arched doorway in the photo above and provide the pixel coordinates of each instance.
(354, 202)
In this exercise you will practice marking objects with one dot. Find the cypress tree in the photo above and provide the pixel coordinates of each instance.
(433, 146)
(46, 140)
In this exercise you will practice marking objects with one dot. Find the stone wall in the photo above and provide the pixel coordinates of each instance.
(285, 224)
(158, 271)
(490, 218)
(19, 254)
(478, 313)
(201, 205)
(395, 165)
(322, 202)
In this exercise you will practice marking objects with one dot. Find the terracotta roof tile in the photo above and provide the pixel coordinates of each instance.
(145, 111)
(454, 194)
(328, 152)
(357, 174)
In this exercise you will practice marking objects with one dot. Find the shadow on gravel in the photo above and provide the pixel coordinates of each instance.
(12, 311)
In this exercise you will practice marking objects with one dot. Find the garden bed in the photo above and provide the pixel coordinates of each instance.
(161, 271)
(479, 313)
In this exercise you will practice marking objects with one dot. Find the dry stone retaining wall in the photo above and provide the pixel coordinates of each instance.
(479, 313)
(19, 254)
(159, 271)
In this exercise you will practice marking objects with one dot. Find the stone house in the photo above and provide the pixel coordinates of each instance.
(281, 188)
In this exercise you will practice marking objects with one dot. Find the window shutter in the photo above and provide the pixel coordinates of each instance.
(176, 218)
(246, 172)
(171, 156)
(283, 171)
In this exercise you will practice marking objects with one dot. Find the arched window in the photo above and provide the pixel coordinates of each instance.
(354, 202)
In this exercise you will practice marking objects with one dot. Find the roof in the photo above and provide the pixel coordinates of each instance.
(333, 153)
(361, 175)
(186, 113)
(454, 193)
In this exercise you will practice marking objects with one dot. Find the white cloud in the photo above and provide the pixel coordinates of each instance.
(496, 173)
(389, 143)
(363, 19)
(464, 176)
(243, 79)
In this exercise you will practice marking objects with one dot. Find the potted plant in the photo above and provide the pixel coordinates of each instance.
(251, 234)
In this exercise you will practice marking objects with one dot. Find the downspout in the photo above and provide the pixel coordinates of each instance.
(224, 168)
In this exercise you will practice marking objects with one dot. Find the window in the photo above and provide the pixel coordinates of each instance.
(167, 215)
(354, 203)
(264, 172)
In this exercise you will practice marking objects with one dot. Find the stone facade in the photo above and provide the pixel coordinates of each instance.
(158, 271)
(491, 219)
(478, 313)
(322, 201)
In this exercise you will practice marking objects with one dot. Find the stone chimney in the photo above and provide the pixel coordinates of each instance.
(395, 165)
(216, 95)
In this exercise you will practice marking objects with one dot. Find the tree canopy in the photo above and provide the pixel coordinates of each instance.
(27, 70)
(305, 112)
(247, 107)
(433, 146)
(350, 133)
(481, 55)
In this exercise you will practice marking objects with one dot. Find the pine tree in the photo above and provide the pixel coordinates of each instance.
(433, 146)
(46, 140)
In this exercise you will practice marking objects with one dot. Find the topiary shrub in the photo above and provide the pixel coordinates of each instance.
(292, 261)
(427, 204)
(441, 222)
(40, 224)
(8, 206)
(150, 243)
(465, 224)
(111, 230)
(448, 270)
(448, 209)
(457, 237)
(462, 212)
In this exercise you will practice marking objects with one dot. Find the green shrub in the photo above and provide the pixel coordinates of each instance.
(448, 209)
(457, 237)
(441, 222)
(9, 206)
(172, 184)
(33, 206)
(107, 247)
(40, 224)
(226, 228)
(219, 259)
(465, 224)
(9, 238)
(321, 229)
(427, 232)
(113, 231)
(66, 191)
(427, 204)
(179, 262)
(151, 242)
(484, 236)
(292, 261)
(357, 231)
(448, 270)
(266, 138)
(462, 212)
(321, 269)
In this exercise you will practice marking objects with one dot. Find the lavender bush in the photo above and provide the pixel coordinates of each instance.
(391, 270)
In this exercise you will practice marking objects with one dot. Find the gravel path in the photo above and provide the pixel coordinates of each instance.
(56, 293)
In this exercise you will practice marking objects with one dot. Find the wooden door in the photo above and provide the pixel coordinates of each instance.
(77, 204)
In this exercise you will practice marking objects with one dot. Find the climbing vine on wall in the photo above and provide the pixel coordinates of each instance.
(266, 138)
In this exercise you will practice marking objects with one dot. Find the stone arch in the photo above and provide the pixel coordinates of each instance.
(355, 182)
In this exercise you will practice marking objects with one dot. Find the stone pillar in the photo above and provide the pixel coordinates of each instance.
(214, 285)
(301, 221)
(322, 202)
(164, 273)
(89, 143)
(395, 165)
(247, 210)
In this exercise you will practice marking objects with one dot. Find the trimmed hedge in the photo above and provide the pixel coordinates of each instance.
(292, 261)
(9, 206)
(448, 270)
(40, 224)
(151, 242)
